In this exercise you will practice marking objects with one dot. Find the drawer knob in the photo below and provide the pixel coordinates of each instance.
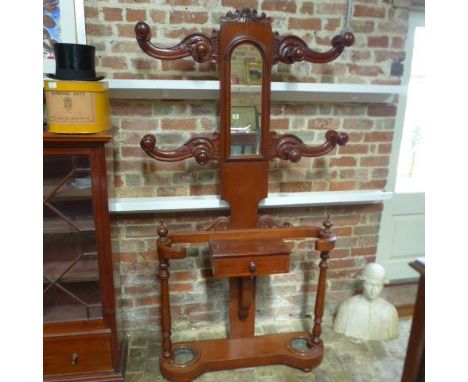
(252, 267)
(75, 358)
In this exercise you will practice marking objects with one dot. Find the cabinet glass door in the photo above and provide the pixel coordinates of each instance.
(70, 268)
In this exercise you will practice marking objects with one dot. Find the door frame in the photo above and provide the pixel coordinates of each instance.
(385, 242)
(416, 19)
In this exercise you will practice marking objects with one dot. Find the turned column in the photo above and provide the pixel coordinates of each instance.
(325, 243)
(163, 276)
(320, 301)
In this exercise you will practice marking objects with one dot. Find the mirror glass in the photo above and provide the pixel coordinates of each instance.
(246, 100)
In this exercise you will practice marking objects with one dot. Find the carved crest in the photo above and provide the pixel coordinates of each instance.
(245, 15)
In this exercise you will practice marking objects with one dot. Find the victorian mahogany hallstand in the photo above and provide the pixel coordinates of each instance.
(243, 245)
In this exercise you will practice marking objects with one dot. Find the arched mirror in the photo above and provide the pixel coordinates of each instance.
(246, 100)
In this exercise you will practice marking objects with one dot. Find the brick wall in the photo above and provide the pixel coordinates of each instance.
(380, 32)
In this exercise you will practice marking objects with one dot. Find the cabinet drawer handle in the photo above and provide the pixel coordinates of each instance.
(75, 358)
(252, 267)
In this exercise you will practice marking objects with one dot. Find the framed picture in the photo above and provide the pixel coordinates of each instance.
(253, 72)
(244, 119)
(244, 130)
(63, 21)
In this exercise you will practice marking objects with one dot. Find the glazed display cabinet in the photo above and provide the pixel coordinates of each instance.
(82, 340)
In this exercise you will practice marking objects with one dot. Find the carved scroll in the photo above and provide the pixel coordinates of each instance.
(290, 147)
(203, 149)
(197, 45)
(266, 221)
(291, 49)
(221, 223)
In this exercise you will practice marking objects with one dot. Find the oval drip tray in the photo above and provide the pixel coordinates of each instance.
(184, 356)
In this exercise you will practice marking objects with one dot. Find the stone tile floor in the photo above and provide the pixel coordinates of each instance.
(345, 360)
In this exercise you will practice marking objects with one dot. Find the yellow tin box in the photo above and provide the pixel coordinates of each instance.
(77, 106)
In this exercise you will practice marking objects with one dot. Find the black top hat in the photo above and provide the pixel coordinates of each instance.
(74, 62)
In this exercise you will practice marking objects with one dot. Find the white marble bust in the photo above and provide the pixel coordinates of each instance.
(368, 316)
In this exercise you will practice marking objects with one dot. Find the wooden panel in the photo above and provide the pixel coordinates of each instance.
(78, 354)
(243, 185)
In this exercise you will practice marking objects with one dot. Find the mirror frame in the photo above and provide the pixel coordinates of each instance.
(265, 99)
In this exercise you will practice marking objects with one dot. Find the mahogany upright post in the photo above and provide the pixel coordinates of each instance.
(165, 309)
(324, 247)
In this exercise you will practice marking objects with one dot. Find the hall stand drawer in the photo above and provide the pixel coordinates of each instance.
(252, 257)
(85, 353)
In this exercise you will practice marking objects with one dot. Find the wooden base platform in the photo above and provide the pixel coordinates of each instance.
(233, 353)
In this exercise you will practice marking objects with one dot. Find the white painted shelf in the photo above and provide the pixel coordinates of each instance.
(276, 200)
(280, 91)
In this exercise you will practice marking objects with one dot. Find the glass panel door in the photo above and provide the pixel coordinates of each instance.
(70, 268)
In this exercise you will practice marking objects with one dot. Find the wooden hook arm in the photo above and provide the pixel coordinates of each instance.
(290, 49)
(197, 45)
(164, 244)
(203, 149)
(167, 252)
(290, 147)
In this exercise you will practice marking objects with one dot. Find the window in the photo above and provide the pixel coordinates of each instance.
(411, 161)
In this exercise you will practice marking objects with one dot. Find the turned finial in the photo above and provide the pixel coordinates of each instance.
(162, 231)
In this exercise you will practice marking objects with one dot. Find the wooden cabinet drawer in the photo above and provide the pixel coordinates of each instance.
(255, 257)
(77, 354)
